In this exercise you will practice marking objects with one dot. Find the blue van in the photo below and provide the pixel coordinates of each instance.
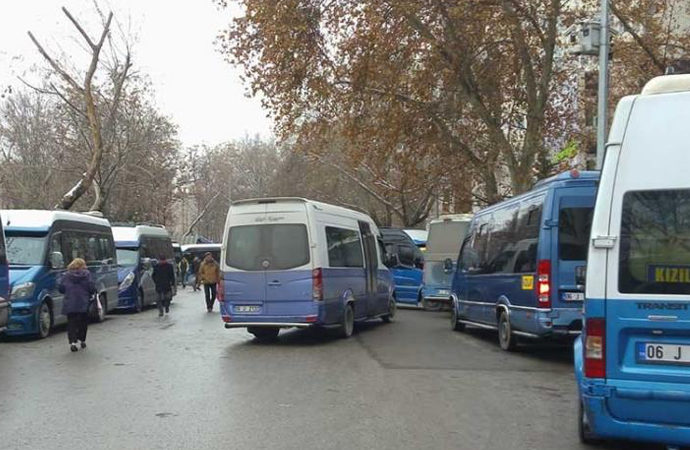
(39, 243)
(632, 362)
(138, 249)
(4, 283)
(406, 262)
(290, 262)
(517, 265)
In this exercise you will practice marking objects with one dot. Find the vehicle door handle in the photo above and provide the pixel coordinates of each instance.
(274, 283)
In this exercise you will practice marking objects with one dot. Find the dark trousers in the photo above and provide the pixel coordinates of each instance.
(164, 298)
(77, 323)
(210, 291)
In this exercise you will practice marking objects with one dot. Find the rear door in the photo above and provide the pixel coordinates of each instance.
(573, 209)
(4, 282)
(648, 267)
(371, 264)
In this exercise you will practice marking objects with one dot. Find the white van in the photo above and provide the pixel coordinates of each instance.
(632, 361)
(291, 262)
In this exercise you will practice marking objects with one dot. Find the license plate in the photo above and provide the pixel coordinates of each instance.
(248, 308)
(443, 292)
(654, 352)
(574, 296)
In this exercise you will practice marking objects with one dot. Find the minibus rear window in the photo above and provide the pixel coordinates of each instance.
(655, 243)
(267, 247)
(573, 233)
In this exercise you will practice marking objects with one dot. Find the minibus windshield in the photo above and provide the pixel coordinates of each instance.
(267, 247)
(127, 256)
(25, 249)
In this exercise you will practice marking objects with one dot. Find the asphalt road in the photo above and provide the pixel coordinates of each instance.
(185, 382)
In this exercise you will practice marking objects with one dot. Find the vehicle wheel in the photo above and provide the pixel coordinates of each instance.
(45, 320)
(432, 305)
(455, 325)
(347, 326)
(584, 429)
(264, 334)
(506, 339)
(99, 314)
(392, 309)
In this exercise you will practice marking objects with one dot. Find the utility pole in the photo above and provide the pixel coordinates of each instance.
(602, 107)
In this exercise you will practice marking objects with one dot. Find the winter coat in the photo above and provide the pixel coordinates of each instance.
(163, 276)
(209, 272)
(78, 287)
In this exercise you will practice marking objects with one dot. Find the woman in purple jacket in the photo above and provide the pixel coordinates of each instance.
(79, 288)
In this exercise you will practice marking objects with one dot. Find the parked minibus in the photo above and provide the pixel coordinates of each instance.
(419, 237)
(138, 249)
(446, 235)
(406, 262)
(632, 362)
(516, 269)
(4, 283)
(199, 250)
(39, 245)
(291, 262)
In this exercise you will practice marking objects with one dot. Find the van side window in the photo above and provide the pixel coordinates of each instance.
(527, 236)
(501, 248)
(655, 243)
(468, 258)
(479, 246)
(344, 248)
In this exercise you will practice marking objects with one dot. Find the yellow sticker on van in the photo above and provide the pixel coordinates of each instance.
(527, 282)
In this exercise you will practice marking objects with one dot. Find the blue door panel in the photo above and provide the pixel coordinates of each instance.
(289, 293)
(408, 282)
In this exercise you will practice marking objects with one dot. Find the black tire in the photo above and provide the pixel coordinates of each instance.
(584, 430)
(392, 309)
(347, 325)
(506, 339)
(432, 305)
(44, 320)
(455, 324)
(264, 334)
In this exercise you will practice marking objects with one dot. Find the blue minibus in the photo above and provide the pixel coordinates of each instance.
(632, 361)
(517, 265)
(4, 283)
(39, 245)
(290, 262)
(406, 262)
(138, 249)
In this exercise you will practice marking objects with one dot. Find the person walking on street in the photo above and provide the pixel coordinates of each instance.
(209, 275)
(164, 279)
(195, 266)
(183, 269)
(78, 288)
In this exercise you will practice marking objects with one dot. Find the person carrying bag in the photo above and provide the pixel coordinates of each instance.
(79, 290)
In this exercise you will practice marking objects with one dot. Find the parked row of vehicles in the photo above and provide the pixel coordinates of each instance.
(520, 270)
(38, 245)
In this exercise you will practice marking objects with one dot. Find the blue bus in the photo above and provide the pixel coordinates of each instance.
(138, 249)
(39, 245)
(407, 265)
(517, 265)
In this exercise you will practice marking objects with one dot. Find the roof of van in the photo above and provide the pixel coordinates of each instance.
(200, 247)
(667, 84)
(320, 206)
(128, 236)
(452, 218)
(36, 219)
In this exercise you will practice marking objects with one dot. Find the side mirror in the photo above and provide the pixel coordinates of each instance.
(581, 277)
(448, 266)
(57, 261)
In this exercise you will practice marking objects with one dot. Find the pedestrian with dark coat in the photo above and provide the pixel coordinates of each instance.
(78, 289)
(164, 279)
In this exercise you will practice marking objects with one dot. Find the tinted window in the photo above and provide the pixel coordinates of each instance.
(655, 243)
(573, 233)
(527, 236)
(271, 247)
(501, 245)
(3, 255)
(26, 249)
(127, 257)
(344, 248)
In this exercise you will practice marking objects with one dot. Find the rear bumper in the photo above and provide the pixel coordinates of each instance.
(606, 426)
(269, 324)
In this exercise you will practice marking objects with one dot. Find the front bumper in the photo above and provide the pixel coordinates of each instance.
(24, 324)
(606, 426)
(126, 298)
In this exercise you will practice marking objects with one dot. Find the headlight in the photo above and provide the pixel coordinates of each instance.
(127, 282)
(22, 290)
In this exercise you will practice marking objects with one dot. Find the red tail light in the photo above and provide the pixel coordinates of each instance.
(544, 284)
(317, 284)
(595, 348)
(220, 291)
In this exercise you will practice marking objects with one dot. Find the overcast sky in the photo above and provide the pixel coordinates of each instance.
(175, 47)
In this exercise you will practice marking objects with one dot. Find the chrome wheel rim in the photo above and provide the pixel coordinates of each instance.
(44, 320)
(349, 321)
(392, 308)
(453, 317)
(504, 331)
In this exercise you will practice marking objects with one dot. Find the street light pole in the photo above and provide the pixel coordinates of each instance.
(602, 107)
